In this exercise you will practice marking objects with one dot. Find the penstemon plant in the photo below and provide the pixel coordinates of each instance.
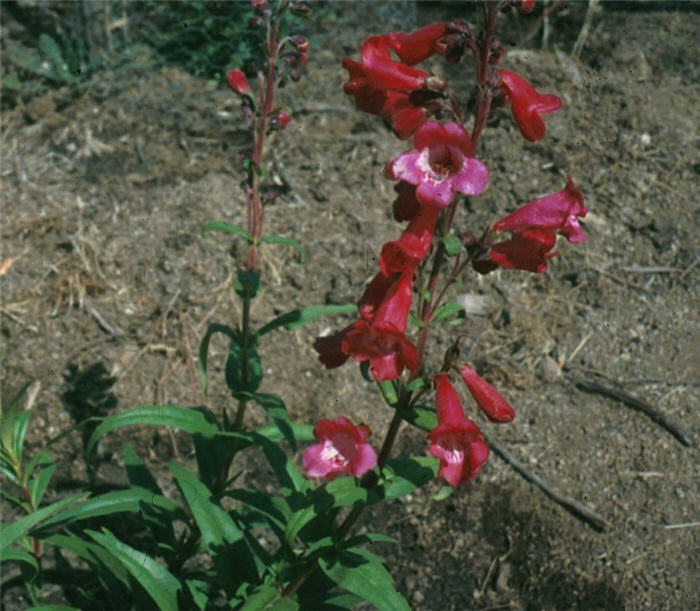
(223, 544)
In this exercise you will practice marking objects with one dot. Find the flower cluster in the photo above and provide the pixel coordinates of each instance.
(439, 168)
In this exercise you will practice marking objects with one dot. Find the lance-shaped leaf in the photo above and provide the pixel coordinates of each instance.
(297, 318)
(226, 228)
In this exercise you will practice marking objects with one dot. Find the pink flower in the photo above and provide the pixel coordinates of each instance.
(419, 45)
(238, 82)
(527, 105)
(343, 448)
(440, 165)
(456, 440)
(556, 212)
(414, 244)
(496, 408)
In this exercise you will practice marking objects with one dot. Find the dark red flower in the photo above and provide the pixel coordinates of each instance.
(496, 408)
(527, 105)
(456, 440)
(329, 348)
(406, 206)
(413, 245)
(343, 448)
(380, 336)
(528, 250)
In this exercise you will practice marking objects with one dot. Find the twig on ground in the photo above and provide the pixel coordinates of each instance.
(638, 404)
(104, 325)
(585, 29)
(571, 505)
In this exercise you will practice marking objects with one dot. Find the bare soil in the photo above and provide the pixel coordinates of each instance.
(107, 287)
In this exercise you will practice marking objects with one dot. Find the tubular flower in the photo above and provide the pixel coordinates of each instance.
(527, 105)
(382, 339)
(406, 206)
(417, 46)
(329, 348)
(343, 448)
(440, 165)
(496, 408)
(527, 250)
(558, 212)
(413, 246)
(456, 440)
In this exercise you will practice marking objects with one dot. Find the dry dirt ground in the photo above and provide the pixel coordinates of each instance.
(110, 287)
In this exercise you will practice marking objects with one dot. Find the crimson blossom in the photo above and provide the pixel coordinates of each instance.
(527, 105)
(534, 229)
(385, 87)
(343, 448)
(496, 408)
(440, 165)
(456, 440)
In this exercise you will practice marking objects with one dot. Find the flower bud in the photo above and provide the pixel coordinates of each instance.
(301, 43)
(238, 82)
(281, 120)
(301, 9)
(524, 6)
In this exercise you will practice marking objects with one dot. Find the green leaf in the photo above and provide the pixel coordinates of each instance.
(159, 583)
(198, 591)
(234, 374)
(227, 228)
(280, 239)
(53, 608)
(301, 432)
(297, 318)
(247, 284)
(204, 350)
(447, 310)
(220, 535)
(406, 474)
(424, 418)
(19, 555)
(11, 532)
(214, 455)
(50, 49)
(445, 492)
(288, 475)
(173, 416)
(267, 598)
(452, 245)
(108, 569)
(415, 321)
(388, 389)
(416, 385)
(362, 573)
(277, 411)
(157, 518)
(38, 484)
(132, 500)
(274, 508)
(19, 432)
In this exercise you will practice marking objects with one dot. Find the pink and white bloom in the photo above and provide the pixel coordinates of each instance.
(456, 440)
(496, 408)
(527, 105)
(343, 449)
(558, 212)
(440, 165)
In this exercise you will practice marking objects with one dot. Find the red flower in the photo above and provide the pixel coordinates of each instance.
(413, 246)
(528, 250)
(524, 6)
(496, 408)
(329, 348)
(380, 336)
(527, 105)
(440, 165)
(419, 45)
(456, 440)
(343, 448)
(238, 82)
(556, 212)
(282, 119)
(406, 206)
